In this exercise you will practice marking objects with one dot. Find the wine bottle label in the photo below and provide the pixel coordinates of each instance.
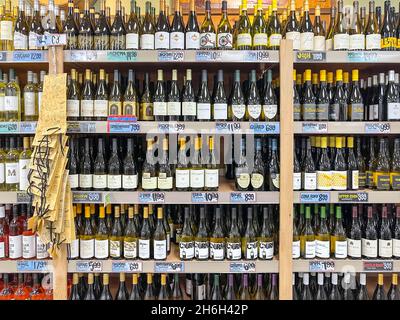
(217, 250)
(356, 111)
(257, 180)
(354, 179)
(201, 250)
(12, 173)
(144, 249)
(239, 110)
(100, 108)
(354, 248)
(101, 249)
(251, 250)
(373, 41)
(165, 183)
(393, 111)
(28, 246)
(29, 103)
(254, 110)
(117, 42)
(339, 180)
(329, 44)
(115, 249)
(341, 249)
(174, 108)
(369, 248)
(188, 286)
(297, 180)
(23, 174)
(129, 181)
(10, 103)
(369, 180)
(182, 178)
(99, 181)
(296, 111)
(132, 41)
(2, 250)
(129, 108)
(362, 177)
(220, 111)
(306, 41)
(130, 250)
(160, 108)
(309, 111)
(147, 42)
(149, 182)
(74, 181)
(322, 249)
(114, 181)
(201, 292)
(189, 108)
(196, 178)
(72, 41)
(270, 111)
(86, 180)
(275, 180)
(211, 179)
(323, 111)
(203, 111)
(186, 250)
(243, 180)
(20, 41)
(177, 40)
(396, 247)
(295, 36)
(41, 249)
(243, 39)
(310, 250)
(224, 40)
(275, 40)
(266, 250)
(2, 97)
(33, 37)
(389, 42)
(260, 39)
(233, 250)
(296, 249)
(15, 247)
(86, 248)
(73, 249)
(310, 180)
(114, 108)
(341, 41)
(85, 41)
(357, 42)
(6, 30)
(192, 40)
(160, 249)
(207, 40)
(381, 181)
(319, 43)
(161, 40)
(377, 109)
(395, 180)
(73, 107)
(385, 248)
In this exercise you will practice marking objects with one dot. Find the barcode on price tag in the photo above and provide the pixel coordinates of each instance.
(169, 267)
(315, 127)
(134, 266)
(199, 197)
(246, 197)
(89, 266)
(151, 197)
(32, 266)
(322, 266)
(376, 128)
(314, 197)
(240, 267)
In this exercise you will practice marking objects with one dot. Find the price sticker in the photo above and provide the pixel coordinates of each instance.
(88, 197)
(243, 197)
(89, 266)
(378, 266)
(82, 56)
(28, 56)
(377, 127)
(27, 127)
(240, 267)
(314, 197)
(122, 127)
(227, 127)
(309, 56)
(23, 197)
(169, 267)
(3, 55)
(362, 56)
(201, 197)
(121, 55)
(254, 56)
(32, 266)
(322, 266)
(51, 39)
(209, 56)
(315, 127)
(170, 56)
(353, 197)
(151, 197)
(124, 266)
(265, 128)
(8, 127)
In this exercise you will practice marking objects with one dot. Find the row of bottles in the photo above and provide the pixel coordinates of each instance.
(20, 286)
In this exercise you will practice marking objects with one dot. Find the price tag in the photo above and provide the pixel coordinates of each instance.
(362, 56)
(124, 266)
(167, 56)
(122, 127)
(377, 128)
(23, 197)
(322, 266)
(28, 56)
(308, 56)
(8, 127)
(120, 55)
(243, 197)
(169, 267)
(378, 266)
(27, 127)
(314, 197)
(240, 267)
(51, 39)
(199, 197)
(32, 266)
(265, 128)
(82, 56)
(151, 197)
(254, 56)
(227, 127)
(208, 56)
(315, 127)
(89, 266)
(165, 127)
(353, 197)
(87, 197)
(3, 55)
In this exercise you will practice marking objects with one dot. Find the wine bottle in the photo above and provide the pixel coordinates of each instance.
(392, 99)
(85, 175)
(186, 239)
(308, 99)
(356, 104)
(273, 168)
(182, 172)
(394, 293)
(87, 238)
(162, 30)
(174, 98)
(292, 29)
(164, 292)
(204, 99)
(36, 29)
(244, 38)
(101, 241)
(224, 30)
(356, 37)
(319, 31)
(385, 244)
(147, 30)
(307, 238)
(114, 176)
(253, 99)
(388, 30)
(270, 101)
(87, 98)
(165, 178)
(274, 27)
(306, 293)
(160, 238)
(189, 107)
(197, 172)
(379, 293)
(369, 242)
(201, 244)
(242, 173)
(177, 35)
(131, 236)
(115, 96)
(217, 239)
(211, 175)
(395, 166)
(144, 236)
(338, 104)
(219, 106)
(207, 29)
(237, 101)
(85, 33)
(129, 174)
(160, 98)
(192, 31)
(372, 34)
(306, 30)
(321, 293)
(341, 39)
(149, 177)
(122, 292)
(381, 174)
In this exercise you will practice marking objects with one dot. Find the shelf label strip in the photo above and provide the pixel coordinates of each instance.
(32, 266)
(89, 266)
(87, 197)
(314, 197)
(240, 267)
(377, 127)
(243, 197)
(353, 197)
(151, 197)
(169, 267)
(124, 266)
(201, 197)
(322, 266)
(377, 266)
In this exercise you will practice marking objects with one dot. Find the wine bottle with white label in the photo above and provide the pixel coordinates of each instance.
(147, 30)
(23, 165)
(197, 172)
(385, 245)
(189, 106)
(12, 166)
(160, 238)
(260, 29)
(204, 99)
(12, 98)
(114, 176)
(392, 99)
(319, 31)
(266, 238)
(192, 31)
(165, 179)
(177, 34)
(341, 40)
(211, 174)
(182, 172)
(370, 238)
(269, 100)
(149, 177)
(144, 251)
(217, 238)
(249, 240)
(237, 107)
(258, 173)
(224, 30)
(186, 239)
(357, 37)
(307, 237)
(174, 98)
(87, 238)
(219, 105)
(208, 35)
(101, 241)
(160, 98)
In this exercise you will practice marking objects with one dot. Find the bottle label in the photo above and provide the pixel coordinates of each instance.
(73, 249)
(12, 172)
(217, 250)
(101, 249)
(243, 39)
(295, 36)
(20, 41)
(354, 248)
(201, 250)
(369, 179)
(385, 248)
(233, 250)
(270, 111)
(297, 180)
(341, 41)
(296, 111)
(260, 39)
(211, 179)
(196, 178)
(23, 174)
(339, 180)
(207, 40)
(329, 44)
(10, 103)
(275, 40)
(186, 250)
(239, 110)
(323, 111)
(254, 110)
(32, 40)
(149, 183)
(354, 179)
(2, 97)
(389, 42)
(322, 249)
(203, 111)
(362, 177)
(74, 181)
(310, 180)
(174, 108)
(396, 248)
(393, 111)
(130, 250)
(160, 108)
(73, 107)
(115, 249)
(395, 180)
(192, 40)
(382, 181)
(306, 41)
(114, 181)
(189, 108)
(251, 250)
(132, 41)
(275, 180)
(309, 111)
(165, 183)
(369, 248)
(266, 250)
(100, 108)
(220, 111)
(129, 181)
(99, 181)
(296, 249)
(41, 249)
(356, 111)
(6, 30)
(319, 43)
(147, 41)
(160, 249)
(129, 108)
(373, 41)
(85, 180)
(357, 42)
(341, 249)
(2, 250)
(87, 108)
(144, 249)
(177, 40)
(161, 40)
(224, 41)
(29, 103)
(114, 108)
(86, 248)
(182, 178)
(310, 250)
(374, 111)
(15, 246)
(257, 180)
(188, 286)
(28, 246)
(243, 180)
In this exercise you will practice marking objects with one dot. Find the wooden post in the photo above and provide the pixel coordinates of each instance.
(286, 170)
(60, 263)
